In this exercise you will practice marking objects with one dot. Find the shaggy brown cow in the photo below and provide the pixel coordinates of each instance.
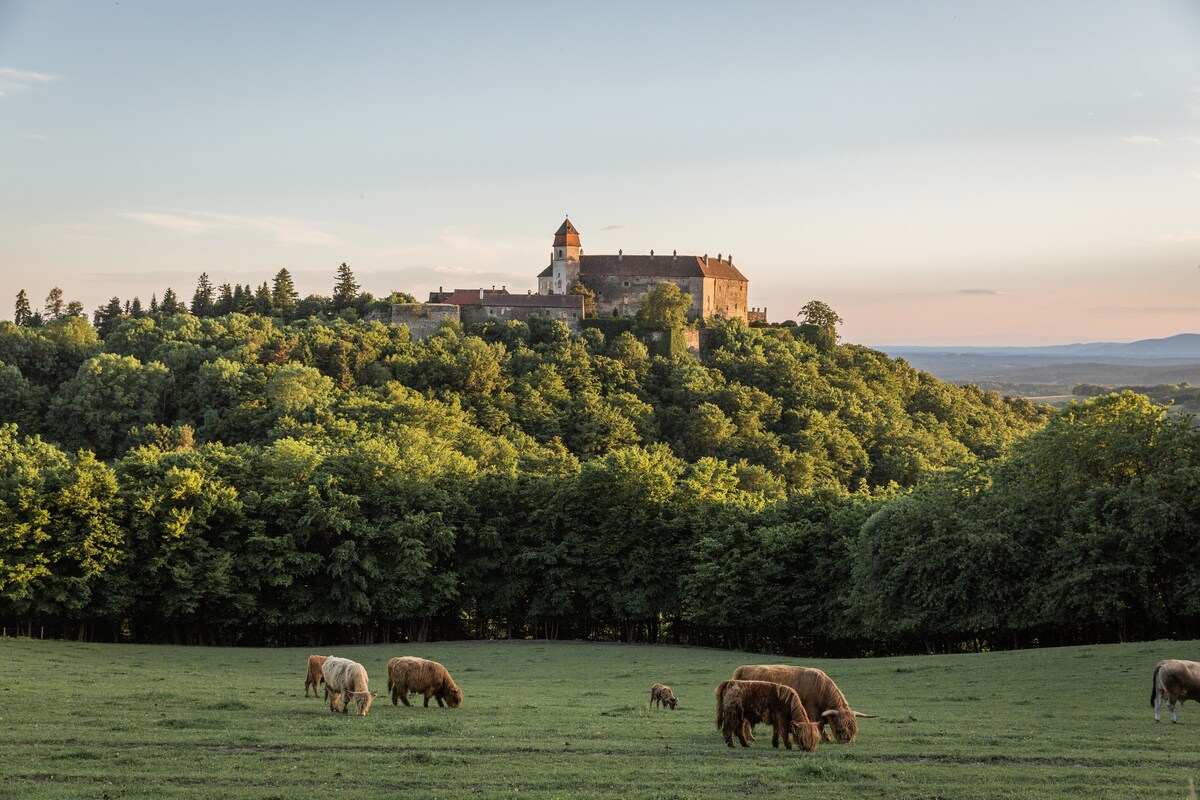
(349, 678)
(314, 678)
(661, 693)
(409, 674)
(822, 699)
(1174, 681)
(743, 704)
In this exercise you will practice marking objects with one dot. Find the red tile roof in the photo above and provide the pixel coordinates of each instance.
(566, 235)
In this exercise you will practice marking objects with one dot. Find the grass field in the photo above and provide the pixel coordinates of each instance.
(569, 719)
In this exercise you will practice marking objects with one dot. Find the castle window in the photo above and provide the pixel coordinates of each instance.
(626, 283)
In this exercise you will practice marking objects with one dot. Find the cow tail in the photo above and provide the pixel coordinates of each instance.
(1154, 684)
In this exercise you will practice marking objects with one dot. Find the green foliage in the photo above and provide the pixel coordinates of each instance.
(664, 308)
(285, 481)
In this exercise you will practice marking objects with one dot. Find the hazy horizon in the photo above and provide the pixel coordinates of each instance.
(937, 172)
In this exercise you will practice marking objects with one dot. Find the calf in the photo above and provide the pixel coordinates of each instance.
(661, 693)
(743, 704)
(1174, 681)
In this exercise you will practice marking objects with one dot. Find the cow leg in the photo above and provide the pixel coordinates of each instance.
(741, 732)
(1158, 707)
(824, 733)
(775, 735)
(440, 703)
(404, 695)
(427, 695)
(333, 698)
(1171, 708)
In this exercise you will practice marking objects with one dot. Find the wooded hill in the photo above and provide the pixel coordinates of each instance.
(242, 479)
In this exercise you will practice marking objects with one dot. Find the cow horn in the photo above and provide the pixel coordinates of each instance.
(864, 716)
(833, 712)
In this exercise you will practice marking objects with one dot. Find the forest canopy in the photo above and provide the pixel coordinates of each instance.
(230, 477)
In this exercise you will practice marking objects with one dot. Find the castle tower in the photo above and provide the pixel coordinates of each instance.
(564, 259)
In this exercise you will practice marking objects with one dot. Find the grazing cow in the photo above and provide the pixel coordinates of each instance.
(1174, 681)
(348, 678)
(409, 674)
(822, 699)
(315, 678)
(661, 693)
(743, 704)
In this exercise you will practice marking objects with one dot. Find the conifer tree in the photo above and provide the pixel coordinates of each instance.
(106, 318)
(283, 292)
(202, 300)
(153, 304)
(75, 309)
(22, 313)
(346, 289)
(262, 300)
(224, 304)
(135, 308)
(170, 303)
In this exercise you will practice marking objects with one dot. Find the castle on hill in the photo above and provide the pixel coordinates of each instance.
(620, 282)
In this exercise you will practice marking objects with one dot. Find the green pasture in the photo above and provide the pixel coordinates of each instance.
(570, 719)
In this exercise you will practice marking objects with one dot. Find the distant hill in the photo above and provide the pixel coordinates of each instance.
(1056, 369)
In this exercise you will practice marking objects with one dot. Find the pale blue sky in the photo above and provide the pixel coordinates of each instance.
(956, 172)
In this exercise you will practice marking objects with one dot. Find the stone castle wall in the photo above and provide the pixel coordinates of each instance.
(423, 319)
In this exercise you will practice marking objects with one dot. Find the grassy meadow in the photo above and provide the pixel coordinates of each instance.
(570, 719)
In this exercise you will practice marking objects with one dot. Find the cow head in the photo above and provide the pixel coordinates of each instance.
(805, 734)
(671, 702)
(454, 697)
(362, 701)
(844, 723)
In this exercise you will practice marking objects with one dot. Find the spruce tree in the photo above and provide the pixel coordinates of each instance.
(22, 313)
(170, 303)
(202, 300)
(283, 292)
(224, 304)
(346, 289)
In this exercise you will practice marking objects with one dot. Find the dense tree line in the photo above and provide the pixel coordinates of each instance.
(282, 478)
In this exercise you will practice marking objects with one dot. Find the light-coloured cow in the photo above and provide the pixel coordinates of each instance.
(349, 678)
(1174, 681)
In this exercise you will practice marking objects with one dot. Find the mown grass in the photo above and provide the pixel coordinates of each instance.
(562, 720)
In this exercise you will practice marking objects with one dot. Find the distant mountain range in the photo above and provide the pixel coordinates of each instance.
(1183, 346)
(1174, 359)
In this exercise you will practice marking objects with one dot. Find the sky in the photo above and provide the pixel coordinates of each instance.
(1020, 173)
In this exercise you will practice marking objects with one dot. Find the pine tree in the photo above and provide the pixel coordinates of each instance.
(346, 289)
(75, 309)
(153, 304)
(262, 300)
(170, 303)
(135, 309)
(202, 300)
(283, 292)
(22, 313)
(106, 318)
(224, 304)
